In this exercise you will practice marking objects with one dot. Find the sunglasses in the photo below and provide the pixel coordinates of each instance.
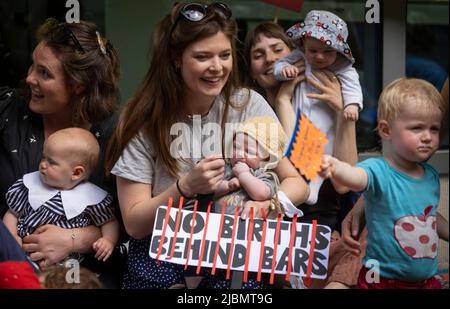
(68, 33)
(196, 12)
(60, 33)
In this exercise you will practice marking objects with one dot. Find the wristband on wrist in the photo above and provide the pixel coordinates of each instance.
(182, 193)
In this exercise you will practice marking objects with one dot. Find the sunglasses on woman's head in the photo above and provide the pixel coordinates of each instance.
(196, 12)
(72, 36)
(60, 32)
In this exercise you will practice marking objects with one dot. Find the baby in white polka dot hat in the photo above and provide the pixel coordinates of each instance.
(322, 42)
(401, 191)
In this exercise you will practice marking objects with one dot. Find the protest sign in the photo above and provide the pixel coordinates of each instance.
(227, 242)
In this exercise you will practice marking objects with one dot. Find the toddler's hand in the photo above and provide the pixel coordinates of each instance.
(103, 249)
(240, 168)
(327, 167)
(290, 72)
(351, 112)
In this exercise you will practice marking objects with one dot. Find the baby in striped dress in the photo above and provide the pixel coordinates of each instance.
(60, 194)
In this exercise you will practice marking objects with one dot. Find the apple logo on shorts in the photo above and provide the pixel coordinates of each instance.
(417, 235)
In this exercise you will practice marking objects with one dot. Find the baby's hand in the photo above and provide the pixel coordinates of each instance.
(103, 249)
(351, 112)
(290, 72)
(233, 184)
(240, 168)
(327, 167)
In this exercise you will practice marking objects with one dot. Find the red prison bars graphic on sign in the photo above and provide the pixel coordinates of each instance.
(224, 241)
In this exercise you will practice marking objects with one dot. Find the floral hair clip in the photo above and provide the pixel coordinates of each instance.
(100, 43)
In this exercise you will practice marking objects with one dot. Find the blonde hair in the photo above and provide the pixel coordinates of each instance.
(82, 146)
(401, 91)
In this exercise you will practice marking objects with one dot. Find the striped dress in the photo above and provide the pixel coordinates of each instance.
(52, 211)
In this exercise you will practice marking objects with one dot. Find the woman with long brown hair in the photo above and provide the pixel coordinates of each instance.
(156, 153)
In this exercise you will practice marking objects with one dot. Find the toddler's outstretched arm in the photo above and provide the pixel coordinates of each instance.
(104, 246)
(343, 176)
(255, 188)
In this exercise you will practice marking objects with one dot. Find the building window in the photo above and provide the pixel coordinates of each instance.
(427, 43)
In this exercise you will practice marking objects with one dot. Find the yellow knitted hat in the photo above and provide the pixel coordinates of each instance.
(269, 134)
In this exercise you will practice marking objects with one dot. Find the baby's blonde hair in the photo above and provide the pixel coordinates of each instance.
(82, 147)
(402, 91)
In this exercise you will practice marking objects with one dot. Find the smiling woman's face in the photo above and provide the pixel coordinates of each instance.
(263, 55)
(206, 66)
(50, 94)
